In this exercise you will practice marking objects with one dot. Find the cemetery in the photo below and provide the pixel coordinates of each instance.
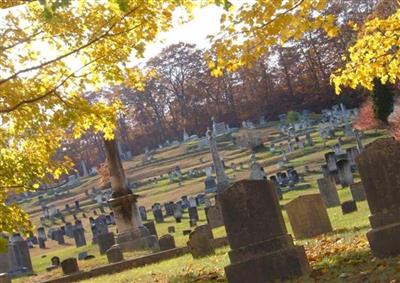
(186, 221)
(195, 141)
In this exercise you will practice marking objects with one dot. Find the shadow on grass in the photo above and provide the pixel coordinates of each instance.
(211, 277)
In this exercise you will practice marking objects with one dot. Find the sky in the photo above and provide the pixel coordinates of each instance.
(205, 22)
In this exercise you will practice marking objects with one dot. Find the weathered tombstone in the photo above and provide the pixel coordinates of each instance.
(379, 165)
(157, 213)
(193, 213)
(328, 191)
(171, 229)
(178, 212)
(200, 242)
(214, 216)
(151, 227)
(79, 237)
(68, 229)
(345, 174)
(59, 237)
(257, 172)
(105, 241)
(262, 251)
(330, 159)
(115, 254)
(70, 266)
(308, 216)
(167, 242)
(42, 237)
(99, 227)
(357, 191)
(349, 206)
(20, 250)
(143, 213)
(192, 222)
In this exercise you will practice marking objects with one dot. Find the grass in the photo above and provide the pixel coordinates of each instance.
(210, 269)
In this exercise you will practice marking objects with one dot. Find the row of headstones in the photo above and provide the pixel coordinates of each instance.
(176, 209)
(300, 143)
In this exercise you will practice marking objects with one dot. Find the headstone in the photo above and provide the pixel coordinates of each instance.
(345, 174)
(59, 237)
(115, 254)
(308, 216)
(349, 206)
(193, 214)
(171, 229)
(214, 216)
(143, 213)
(379, 165)
(42, 237)
(167, 242)
(77, 205)
(79, 237)
(330, 159)
(151, 227)
(157, 213)
(178, 212)
(328, 191)
(19, 248)
(257, 172)
(70, 266)
(261, 249)
(200, 242)
(357, 191)
(105, 241)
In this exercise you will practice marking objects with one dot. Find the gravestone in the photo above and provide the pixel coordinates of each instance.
(330, 159)
(171, 229)
(79, 237)
(357, 191)
(69, 229)
(115, 254)
(19, 248)
(59, 237)
(328, 191)
(157, 213)
(349, 206)
(257, 172)
(143, 213)
(99, 227)
(308, 216)
(151, 227)
(379, 165)
(178, 212)
(200, 242)
(193, 213)
(261, 249)
(42, 237)
(70, 266)
(214, 216)
(167, 242)
(345, 174)
(105, 241)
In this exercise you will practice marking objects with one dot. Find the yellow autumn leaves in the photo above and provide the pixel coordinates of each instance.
(374, 55)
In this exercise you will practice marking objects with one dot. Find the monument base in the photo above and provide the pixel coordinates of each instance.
(135, 239)
(384, 241)
(266, 266)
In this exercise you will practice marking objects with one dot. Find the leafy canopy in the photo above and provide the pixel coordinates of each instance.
(51, 54)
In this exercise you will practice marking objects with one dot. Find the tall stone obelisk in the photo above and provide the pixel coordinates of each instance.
(222, 178)
(132, 235)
